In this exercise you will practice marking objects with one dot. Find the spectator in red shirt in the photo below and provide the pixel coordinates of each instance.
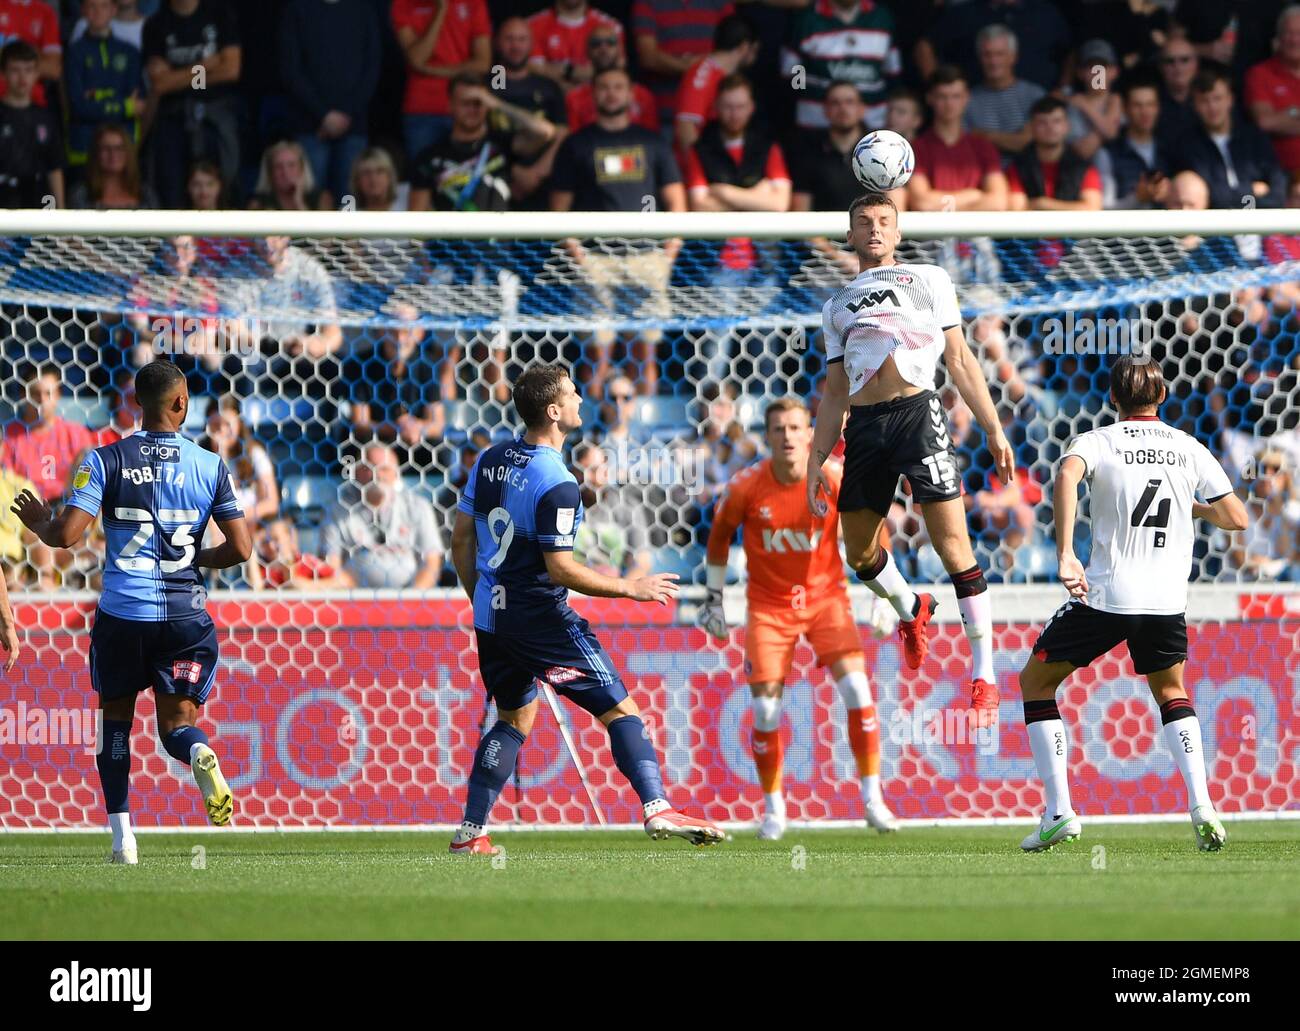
(605, 50)
(441, 39)
(560, 35)
(40, 444)
(955, 170)
(735, 47)
(1273, 92)
(34, 22)
(670, 36)
(1047, 175)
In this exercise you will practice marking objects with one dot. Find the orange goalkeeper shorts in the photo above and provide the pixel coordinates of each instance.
(771, 636)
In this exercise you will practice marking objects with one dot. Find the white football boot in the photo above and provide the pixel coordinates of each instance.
(1052, 830)
(879, 817)
(1210, 834)
(772, 828)
(125, 856)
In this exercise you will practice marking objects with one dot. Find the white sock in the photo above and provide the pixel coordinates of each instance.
(890, 585)
(871, 790)
(194, 750)
(120, 825)
(1049, 744)
(977, 621)
(1184, 739)
(767, 713)
(468, 831)
(774, 805)
(653, 807)
(855, 689)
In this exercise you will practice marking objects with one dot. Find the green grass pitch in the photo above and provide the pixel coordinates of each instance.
(1145, 881)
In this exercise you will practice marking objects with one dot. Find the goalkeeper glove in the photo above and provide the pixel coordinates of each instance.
(712, 618)
(882, 618)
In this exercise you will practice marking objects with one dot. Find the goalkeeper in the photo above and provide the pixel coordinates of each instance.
(796, 589)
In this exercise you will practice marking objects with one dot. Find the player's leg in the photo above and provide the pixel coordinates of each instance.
(876, 568)
(117, 674)
(1158, 647)
(768, 750)
(636, 759)
(183, 660)
(850, 674)
(113, 761)
(510, 683)
(1049, 746)
(1073, 637)
(945, 521)
(770, 639)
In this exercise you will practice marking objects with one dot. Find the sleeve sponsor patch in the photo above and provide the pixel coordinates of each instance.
(82, 478)
(564, 520)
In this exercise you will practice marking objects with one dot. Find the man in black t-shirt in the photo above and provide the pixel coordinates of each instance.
(613, 165)
(523, 89)
(822, 168)
(31, 156)
(477, 167)
(192, 61)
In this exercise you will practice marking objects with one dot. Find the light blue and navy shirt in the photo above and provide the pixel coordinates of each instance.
(525, 502)
(157, 492)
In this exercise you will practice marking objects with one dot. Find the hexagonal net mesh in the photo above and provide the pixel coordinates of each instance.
(348, 692)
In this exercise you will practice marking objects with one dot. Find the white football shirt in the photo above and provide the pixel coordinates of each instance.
(1143, 477)
(899, 310)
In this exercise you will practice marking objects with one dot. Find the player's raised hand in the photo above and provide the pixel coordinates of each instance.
(819, 490)
(660, 587)
(712, 618)
(30, 509)
(1071, 573)
(1004, 459)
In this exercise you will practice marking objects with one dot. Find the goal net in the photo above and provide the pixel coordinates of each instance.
(328, 353)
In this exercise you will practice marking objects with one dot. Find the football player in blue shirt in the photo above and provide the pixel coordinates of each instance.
(157, 491)
(513, 549)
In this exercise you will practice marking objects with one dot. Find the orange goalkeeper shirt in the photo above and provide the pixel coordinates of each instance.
(786, 547)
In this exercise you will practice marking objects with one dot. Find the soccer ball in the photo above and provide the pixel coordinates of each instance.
(883, 161)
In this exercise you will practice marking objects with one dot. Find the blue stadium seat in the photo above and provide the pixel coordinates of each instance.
(196, 419)
(94, 414)
(307, 499)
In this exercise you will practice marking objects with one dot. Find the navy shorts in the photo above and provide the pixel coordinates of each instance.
(569, 658)
(1077, 634)
(177, 657)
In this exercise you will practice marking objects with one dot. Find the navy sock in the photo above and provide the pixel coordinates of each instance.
(179, 740)
(635, 757)
(114, 763)
(494, 761)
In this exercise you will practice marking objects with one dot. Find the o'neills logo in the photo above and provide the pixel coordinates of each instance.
(102, 984)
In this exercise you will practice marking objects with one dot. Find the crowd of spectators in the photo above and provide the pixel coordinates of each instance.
(675, 105)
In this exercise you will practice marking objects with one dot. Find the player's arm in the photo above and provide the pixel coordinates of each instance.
(567, 571)
(830, 424)
(233, 551)
(1227, 512)
(968, 377)
(61, 531)
(8, 628)
(1065, 503)
(464, 548)
(727, 516)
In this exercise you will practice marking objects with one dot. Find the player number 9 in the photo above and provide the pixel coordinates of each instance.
(501, 540)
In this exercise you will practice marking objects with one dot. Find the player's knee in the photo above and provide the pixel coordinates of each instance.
(1036, 684)
(520, 719)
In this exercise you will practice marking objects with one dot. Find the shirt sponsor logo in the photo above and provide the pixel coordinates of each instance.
(162, 452)
(620, 164)
(564, 520)
(562, 674)
(190, 671)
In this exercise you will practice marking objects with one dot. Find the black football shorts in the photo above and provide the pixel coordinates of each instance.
(907, 436)
(1077, 634)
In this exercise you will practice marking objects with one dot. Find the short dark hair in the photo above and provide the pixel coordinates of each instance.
(32, 372)
(537, 387)
(1136, 382)
(946, 75)
(614, 70)
(1131, 83)
(732, 31)
(842, 84)
(461, 79)
(735, 81)
(1209, 75)
(872, 200)
(155, 382)
(1047, 105)
(17, 50)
